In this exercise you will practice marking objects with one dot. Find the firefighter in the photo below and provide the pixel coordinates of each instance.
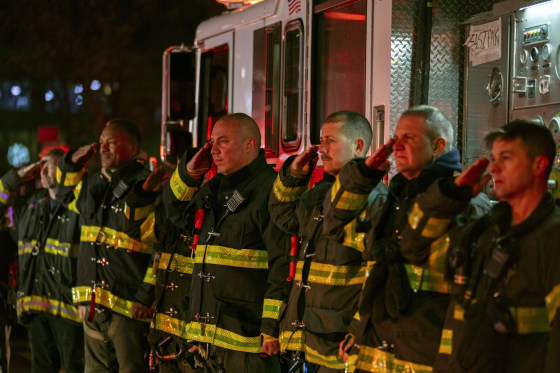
(405, 299)
(173, 266)
(48, 239)
(115, 283)
(240, 269)
(512, 322)
(329, 275)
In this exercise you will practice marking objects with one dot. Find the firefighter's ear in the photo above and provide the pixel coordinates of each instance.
(358, 147)
(438, 146)
(540, 165)
(250, 144)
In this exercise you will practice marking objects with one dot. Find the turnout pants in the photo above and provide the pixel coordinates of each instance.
(55, 342)
(115, 343)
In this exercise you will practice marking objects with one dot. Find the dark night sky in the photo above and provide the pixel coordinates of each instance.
(46, 44)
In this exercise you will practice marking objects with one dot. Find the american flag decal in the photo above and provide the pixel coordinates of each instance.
(294, 6)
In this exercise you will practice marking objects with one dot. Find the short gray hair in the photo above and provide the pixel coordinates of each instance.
(437, 124)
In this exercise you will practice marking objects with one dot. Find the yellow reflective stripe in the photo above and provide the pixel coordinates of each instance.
(437, 260)
(139, 213)
(356, 316)
(182, 191)
(179, 263)
(375, 360)
(113, 238)
(352, 238)
(221, 255)
(104, 298)
(435, 227)
(149, 277)
(530, 319)
(328, 274)
(446, 343)
(170, 325)
(330, 361)
(70, 178)
(271, 308)
(4, 194)
(415, 216)
(348, 200)
(459, 312)
(50, 306)
(53, 247)
(147, 229)
(72, 205)
(287, 194)
(209, 333)
(552, 302)
(426, 279)
(291, 340)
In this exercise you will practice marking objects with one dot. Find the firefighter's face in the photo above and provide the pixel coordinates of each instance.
(48, 171)
(413, 149)
(336, 149)
(511, 168)
(231, 150)
(116, 147)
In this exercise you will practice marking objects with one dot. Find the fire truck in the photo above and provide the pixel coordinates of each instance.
(290, 63)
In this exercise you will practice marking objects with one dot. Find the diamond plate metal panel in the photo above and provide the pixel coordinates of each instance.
(446, 55)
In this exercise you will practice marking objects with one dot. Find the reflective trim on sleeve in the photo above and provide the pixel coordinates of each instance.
(435, 227)
(4, 194)
(221, 255)
(271, 308)
(104, 298)
(552, 301)
(415, 216)
(35, 303)
(348, 200)
(113, 238)
(352, 238)
(291, 340)
(72, 205)
(182, 191)
(149, 277)
(147, 229)
(178, 263)
(375, 360)
(426, 279)
(446, 343)
(438, 254)
(530, 319)
(287, 194)
(329, 361)
(53, 247)
(70, 178)
(138, 213)
(170, 325)
(333, 275)
(209, 333)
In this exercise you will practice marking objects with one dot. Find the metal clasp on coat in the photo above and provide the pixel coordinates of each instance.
(172, 286)
(298, 324)
(171, 312)
(303, 285)
(319, 217)
(35, 250)
(206, 276)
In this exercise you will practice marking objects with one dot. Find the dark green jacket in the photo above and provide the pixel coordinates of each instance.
(117, 265)
(329, 275)
(48, 240)
(240, 271)
(172, 263)
(405, 299)
(524, 300)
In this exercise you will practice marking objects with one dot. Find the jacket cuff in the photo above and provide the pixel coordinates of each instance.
(451, 190)
(286, 177)
(138, 197)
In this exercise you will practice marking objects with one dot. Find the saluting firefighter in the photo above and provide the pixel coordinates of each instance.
(48, 240)
(329, 275)
(241, 264)
(404, 302)
(115, 284)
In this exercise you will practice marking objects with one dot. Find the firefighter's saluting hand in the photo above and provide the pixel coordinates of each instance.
(201, 162)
